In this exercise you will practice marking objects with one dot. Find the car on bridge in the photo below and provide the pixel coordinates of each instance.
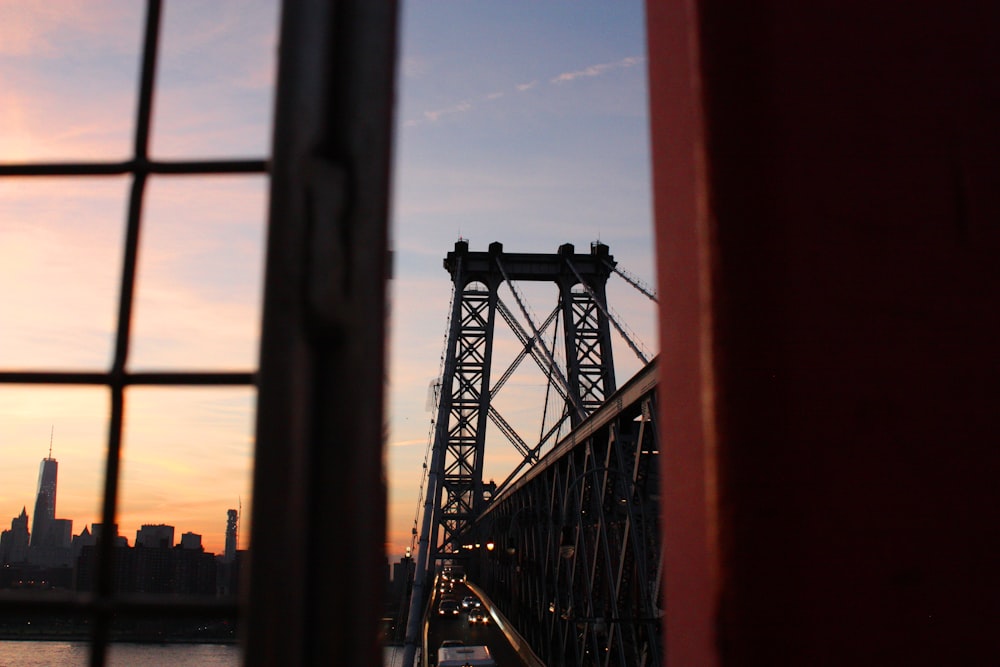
(471, 602)
(448, 609)
(478, 617)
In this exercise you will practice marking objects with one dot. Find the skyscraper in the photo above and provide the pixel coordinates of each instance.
(45, 503)
(14, 542)
(232, 528)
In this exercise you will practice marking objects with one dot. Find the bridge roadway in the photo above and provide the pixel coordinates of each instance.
(493, 634)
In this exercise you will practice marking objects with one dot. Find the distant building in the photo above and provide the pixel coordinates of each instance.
(228, 575)
(151, 569)
(84, 538)
(51, 538)
(45, 502)
(232, 535)
(85, 549)
(402, 577)
(159, 536)
(194, 571)
(14, 542)
(97, 529)
(191, 542)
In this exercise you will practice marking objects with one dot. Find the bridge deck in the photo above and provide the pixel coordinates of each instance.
(496, 633)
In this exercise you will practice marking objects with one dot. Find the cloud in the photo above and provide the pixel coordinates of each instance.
(48, 29)
(435, 115)
(461, 107)
(596, 70)
(409, 443)
(68, 76)
(42, 118)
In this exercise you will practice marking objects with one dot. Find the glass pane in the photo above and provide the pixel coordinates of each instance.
(200, 273)
(53, 443)
(36, 638)
(60, 265)
(69, 73)
(211, 653)
(216, 78)
(527, 124)
(186, 464)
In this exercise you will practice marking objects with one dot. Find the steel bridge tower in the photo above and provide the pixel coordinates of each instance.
(456, 493)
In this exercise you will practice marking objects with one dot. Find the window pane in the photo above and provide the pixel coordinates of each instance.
(215, 79)
(60, 260)
(69, 72)
(186, 461)
(200, 271)
(58, 489)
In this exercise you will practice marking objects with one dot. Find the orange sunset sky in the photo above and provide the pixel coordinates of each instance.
(519, 122)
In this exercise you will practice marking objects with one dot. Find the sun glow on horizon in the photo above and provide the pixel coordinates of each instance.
(523, 124)
(69, 78)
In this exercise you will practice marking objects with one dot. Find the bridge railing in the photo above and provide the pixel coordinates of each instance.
(571, 550)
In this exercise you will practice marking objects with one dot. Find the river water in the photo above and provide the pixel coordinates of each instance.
(73, 654)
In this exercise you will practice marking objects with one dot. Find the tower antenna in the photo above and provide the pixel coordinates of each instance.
(52, 432)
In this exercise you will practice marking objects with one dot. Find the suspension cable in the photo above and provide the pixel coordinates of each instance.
(549, 357)
(633, 281)
(527, 344)
(604, 310)
(431, 429)
(548, 386)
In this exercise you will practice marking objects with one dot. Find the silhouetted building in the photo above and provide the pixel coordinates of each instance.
(14, 542)
(98, 529)
(50, 542)
(45, 502)
(232, 535)
(402, 577)
(84, 538)
(191, 541)
(194, 571)
(56, 549)
(152, 570)
(85, 548)
(158, 535)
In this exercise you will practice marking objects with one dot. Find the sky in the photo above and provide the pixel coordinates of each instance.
(517, 121)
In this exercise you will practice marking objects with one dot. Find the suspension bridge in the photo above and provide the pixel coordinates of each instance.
(564, 550)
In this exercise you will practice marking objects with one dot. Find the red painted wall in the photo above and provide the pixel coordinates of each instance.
(827, 183)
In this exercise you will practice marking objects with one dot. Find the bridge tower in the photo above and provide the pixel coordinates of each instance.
(456, 493)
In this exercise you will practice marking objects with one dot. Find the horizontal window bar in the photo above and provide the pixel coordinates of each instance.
(146, 378)
(249, 166)
(132, 605)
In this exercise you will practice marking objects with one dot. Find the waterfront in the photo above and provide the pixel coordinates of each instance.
(71, 654)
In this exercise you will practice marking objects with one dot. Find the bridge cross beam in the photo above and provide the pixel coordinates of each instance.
(464, 406)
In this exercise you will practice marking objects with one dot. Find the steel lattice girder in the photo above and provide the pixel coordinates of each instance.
(589, 332)
(576, 564)
(466, 394)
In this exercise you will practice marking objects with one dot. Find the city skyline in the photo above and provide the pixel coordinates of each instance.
(523, 123)
(46, 496)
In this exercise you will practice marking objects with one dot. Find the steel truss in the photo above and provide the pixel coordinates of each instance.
(573, 558)
(465, 407)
